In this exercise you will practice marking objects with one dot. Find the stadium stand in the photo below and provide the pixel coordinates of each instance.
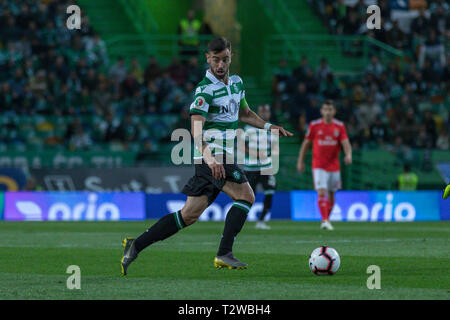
(60, 91)
(91, 90)
(393, 102)
(374, 103)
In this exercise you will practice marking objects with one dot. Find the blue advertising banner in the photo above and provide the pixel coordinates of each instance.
(2, 204)
(74, 206)
(295, 205)
(159, 205)
(372, 206)
(12, 179)
(445, 207)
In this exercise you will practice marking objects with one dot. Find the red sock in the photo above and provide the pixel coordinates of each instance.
(330, 208)
(323, 207)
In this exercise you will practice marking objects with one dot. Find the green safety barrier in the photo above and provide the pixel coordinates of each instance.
(140, 15)
(345, 54)
(162, 47)
(371, 170)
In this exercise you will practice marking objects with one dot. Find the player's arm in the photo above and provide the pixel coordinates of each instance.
(248, 116)
(302, 154)
(307, 142)
(197, 122)
(347, 147)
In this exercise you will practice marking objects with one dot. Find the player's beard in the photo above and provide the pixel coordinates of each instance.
(221, 76)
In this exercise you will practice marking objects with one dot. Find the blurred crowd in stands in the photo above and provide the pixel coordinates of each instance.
(59, 88)
(48, 72)
(400, 105)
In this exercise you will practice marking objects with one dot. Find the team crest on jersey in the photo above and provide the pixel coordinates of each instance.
(237, 175)
(336, 133)
(199, 102)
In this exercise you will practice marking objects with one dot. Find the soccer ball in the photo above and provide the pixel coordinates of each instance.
(324, 261)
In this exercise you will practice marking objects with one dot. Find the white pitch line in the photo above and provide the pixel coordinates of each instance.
(191, 243)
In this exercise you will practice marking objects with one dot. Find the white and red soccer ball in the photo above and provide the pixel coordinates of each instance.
(324, 261)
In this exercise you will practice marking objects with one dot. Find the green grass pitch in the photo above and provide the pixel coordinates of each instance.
(413, 258)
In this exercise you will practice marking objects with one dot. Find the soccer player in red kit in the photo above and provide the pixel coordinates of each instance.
(326, 135)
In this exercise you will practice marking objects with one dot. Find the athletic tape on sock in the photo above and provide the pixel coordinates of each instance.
(244, 205)
(179, 220)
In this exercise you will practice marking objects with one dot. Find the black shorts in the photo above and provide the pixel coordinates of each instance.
(268, 182)
(203, 183)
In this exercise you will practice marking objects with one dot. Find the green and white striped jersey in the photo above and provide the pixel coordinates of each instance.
(219, 104)
(259, 143)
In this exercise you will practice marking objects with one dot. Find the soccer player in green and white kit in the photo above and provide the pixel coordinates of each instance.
(219, 104)
(258, 157)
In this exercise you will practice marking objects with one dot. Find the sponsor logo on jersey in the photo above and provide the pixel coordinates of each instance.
(327, 142)
(232, 107)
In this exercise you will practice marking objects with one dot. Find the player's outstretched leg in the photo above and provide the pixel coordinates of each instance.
(164, 228)
(243, 197)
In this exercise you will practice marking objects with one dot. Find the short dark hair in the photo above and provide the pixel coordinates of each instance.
(329, 102)
(219, 44)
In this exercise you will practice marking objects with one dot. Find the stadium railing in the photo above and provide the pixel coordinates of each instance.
(371, 170)
(280, 16)
(140, 15)
(163, 47)
(375, 169)
(345, 54)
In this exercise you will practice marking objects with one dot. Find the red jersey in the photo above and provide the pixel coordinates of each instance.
(326, 139)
